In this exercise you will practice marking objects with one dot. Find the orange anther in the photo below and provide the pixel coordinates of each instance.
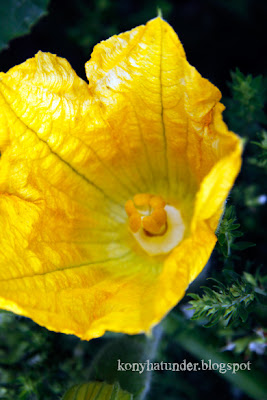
(135, 222)
(151, 225)
(160, 216)
(142, 199)
(130, 208)
(157, 202)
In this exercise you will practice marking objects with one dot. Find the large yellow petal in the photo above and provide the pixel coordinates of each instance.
(72, 154)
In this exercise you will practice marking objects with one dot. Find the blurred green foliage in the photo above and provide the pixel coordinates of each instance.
(245, 109)
(38, 364)
(228, 232)
(104, 22)
(17, 17)
(261, 159)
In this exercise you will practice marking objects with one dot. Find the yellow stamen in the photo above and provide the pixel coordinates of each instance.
(142, 199)
(157, 202)
(135, 222)
(156, 222)
(160, 216)
(150, 225)
(157, 227)
(147, 211)
(130, 208)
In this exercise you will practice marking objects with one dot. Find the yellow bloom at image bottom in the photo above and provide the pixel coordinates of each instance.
(97, 391)
(110, 192)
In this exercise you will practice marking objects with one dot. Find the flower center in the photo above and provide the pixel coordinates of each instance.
(157, 226)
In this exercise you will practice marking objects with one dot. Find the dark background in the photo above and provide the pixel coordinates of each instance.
(218, 35)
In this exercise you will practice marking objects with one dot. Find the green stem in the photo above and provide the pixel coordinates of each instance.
(193, 340)
(124, 350)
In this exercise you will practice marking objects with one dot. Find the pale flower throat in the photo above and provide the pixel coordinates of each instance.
(156, 226)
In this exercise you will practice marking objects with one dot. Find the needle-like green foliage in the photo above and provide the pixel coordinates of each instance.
(228, 304)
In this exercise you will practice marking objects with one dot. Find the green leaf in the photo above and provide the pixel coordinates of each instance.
(250, 278)
(97, 391)
(18, 16)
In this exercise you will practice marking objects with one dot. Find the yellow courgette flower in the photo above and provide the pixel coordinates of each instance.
(110, 192)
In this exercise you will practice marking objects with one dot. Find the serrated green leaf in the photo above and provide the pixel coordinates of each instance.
(18, 16)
